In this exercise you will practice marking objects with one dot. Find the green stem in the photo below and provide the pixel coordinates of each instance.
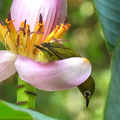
(26, 94)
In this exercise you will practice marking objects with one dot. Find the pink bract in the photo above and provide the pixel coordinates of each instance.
(53, 12)
(51, 76)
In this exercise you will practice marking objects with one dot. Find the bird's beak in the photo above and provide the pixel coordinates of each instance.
(87, 102)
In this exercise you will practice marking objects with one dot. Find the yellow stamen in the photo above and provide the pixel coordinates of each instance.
(36, 37)
(12, 30)
(2, 33)
(20, 38)
(41, 28)
(61, 31)
(6, 39)
(22, 42)
(51, 35)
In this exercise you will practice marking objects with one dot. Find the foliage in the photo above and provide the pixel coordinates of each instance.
(16, 112)
(86, 37)
(109, 12)
(113, 101)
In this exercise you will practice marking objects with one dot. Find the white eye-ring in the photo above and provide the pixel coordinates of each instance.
(87, 93)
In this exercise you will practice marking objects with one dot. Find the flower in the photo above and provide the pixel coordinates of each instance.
(26, 59)
(53, 12)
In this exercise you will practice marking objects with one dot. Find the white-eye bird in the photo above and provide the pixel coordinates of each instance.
(56, 51)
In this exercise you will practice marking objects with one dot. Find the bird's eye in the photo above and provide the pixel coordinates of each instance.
(87, 93)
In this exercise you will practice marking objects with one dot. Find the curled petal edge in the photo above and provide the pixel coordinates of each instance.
(7, 67)
(52, 76)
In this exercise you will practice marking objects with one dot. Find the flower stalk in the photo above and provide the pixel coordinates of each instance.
(26, 94)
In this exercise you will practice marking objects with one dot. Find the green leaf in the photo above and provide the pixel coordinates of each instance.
(112, 110)
(109, 15)
(10, 111)
(7, 112)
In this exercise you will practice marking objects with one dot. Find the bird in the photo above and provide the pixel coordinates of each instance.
(56, 51)
(87, 89)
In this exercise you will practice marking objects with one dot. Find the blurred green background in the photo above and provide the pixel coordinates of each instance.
(86, 38)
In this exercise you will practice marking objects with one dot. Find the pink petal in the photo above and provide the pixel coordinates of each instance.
(7, 67)
(53, 12)
(52, 76)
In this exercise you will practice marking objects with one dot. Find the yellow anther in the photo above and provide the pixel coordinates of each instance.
(22, 24)
(8, 22)
(62, 31)
(5, 27)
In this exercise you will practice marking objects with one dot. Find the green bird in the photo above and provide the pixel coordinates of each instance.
(56, 51)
